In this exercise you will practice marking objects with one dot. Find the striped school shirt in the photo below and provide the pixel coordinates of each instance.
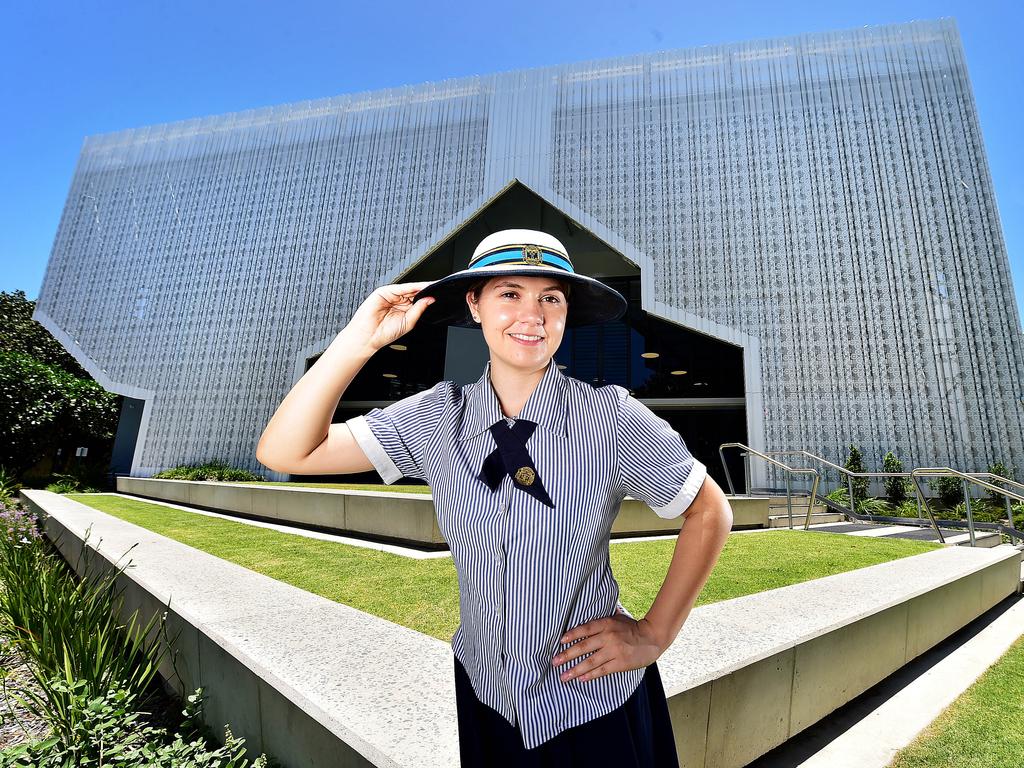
(528, 572)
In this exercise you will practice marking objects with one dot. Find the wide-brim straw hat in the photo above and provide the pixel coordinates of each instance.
(525, 252)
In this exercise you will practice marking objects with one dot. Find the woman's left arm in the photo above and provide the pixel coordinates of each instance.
(618, 643)
(706, 526)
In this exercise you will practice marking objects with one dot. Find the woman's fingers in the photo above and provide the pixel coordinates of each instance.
(416, 310)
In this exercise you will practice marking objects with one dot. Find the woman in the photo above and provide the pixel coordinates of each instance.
(527, 468)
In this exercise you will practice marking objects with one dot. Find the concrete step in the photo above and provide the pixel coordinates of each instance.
(981, 539)
(782, 520)
(774, 509)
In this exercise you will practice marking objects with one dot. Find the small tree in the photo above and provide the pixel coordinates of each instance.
(897, 489)
(855, 463)
(1003, 471)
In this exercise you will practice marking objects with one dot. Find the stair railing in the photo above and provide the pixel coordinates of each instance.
(967, 477)
(790, 471)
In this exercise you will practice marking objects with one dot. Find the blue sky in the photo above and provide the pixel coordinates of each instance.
(72, 69)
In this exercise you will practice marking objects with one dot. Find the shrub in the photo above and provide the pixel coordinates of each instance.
(66, 627)
(950, 490)
(90, 670)
(897, 489)
(855, 463)
(71, 483)
(909, 509)
(1002, 470)
(109, 733)
(210, 470)
(9, 486)
(874, 507)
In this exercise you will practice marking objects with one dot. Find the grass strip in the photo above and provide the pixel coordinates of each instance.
(982, 727)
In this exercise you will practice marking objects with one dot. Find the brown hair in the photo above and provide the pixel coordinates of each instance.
(478, 286)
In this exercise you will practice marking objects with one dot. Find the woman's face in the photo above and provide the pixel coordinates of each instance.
(516, 306)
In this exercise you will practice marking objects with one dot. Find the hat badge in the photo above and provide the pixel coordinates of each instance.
(532, 254)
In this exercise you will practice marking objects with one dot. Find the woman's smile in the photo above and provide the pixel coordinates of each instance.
(527, 339)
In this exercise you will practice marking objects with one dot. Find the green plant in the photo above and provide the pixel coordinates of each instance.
(982, 511)
(855, 463)
(9, 486)
(210, 470)
(998, 468)
(110, 732)
(67, 627)
(909, 509)
(874, 506)
(64, 484)
(839, 495)
(950, 490)
(897, 489)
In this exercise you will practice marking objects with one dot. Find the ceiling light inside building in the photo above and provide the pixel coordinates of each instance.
(678, 373)
(390, 375)
(649, 354)
(399, 347)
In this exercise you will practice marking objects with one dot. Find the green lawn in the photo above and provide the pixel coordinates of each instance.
(982, 728)
(423, 594)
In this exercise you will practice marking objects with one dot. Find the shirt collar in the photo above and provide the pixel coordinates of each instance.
(546, 404)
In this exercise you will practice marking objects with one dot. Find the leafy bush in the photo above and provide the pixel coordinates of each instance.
(9, 486)
(91, 671)
(855, 463)
(1003, 471)
(69, 628)
(872, 506)
(950, 490)
(71, 483)
(909, 509)
(109, 733)
(210, 470)
(865, 506)
(897, 489)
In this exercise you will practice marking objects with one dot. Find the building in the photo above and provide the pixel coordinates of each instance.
(806, 226)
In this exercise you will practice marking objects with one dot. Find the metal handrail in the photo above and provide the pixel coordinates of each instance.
(919, 495)
(789, 471)
(965, 477)
(850, 474)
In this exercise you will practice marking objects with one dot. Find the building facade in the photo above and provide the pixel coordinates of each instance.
(806, 226)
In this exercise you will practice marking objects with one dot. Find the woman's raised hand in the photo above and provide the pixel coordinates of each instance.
(389, 313)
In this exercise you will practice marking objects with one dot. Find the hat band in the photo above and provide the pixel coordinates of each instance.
(526, 255)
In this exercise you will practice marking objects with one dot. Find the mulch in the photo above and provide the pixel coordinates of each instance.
(17, 724)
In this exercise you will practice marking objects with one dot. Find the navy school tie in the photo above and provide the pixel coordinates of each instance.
(512, 458)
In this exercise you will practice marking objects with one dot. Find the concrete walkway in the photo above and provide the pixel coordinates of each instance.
(868, 731)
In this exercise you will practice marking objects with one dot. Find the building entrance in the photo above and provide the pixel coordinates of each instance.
(693, 381)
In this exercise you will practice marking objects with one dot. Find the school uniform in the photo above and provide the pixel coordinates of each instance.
(526, 506)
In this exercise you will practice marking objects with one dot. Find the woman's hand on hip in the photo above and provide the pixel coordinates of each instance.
(615, 643)
(389, 313)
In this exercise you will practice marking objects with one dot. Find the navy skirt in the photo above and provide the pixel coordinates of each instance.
(636, 735)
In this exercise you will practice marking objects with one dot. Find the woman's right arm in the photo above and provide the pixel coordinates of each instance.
(300, 438)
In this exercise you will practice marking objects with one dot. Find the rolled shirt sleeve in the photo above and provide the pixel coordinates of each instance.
(395, 438)
(654, 463)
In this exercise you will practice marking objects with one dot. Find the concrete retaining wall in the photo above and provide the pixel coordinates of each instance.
(317, 683)
(409, 518)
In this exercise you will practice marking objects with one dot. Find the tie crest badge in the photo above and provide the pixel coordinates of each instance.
(524, 476)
